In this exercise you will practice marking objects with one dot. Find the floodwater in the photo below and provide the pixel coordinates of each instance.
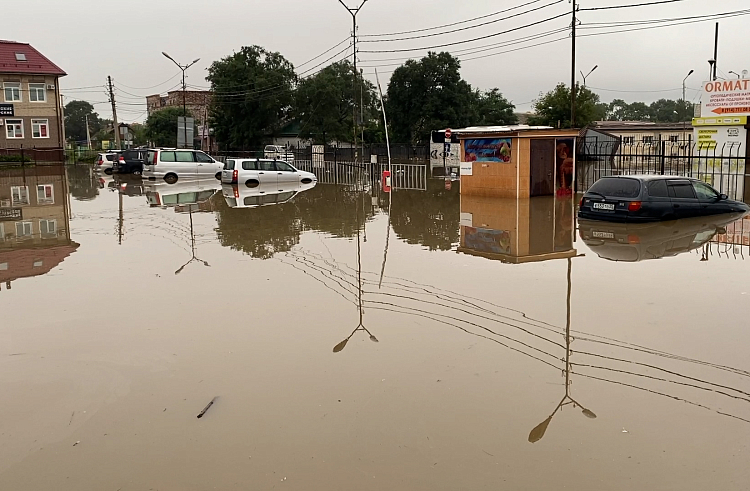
(359, 340)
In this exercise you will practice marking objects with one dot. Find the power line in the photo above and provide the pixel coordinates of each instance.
(630, 6)
(451, 24)
(147, 88)
(464, 28)
(468, 40)
(348, 38)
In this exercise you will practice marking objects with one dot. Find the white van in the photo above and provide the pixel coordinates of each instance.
(262, 195)
(172, 164)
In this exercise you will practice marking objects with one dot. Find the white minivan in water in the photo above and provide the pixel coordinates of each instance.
(255, 172)
(172, 164)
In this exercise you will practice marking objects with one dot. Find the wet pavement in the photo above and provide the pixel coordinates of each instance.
(359, 340)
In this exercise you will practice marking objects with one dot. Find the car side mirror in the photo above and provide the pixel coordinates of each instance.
(723, 197)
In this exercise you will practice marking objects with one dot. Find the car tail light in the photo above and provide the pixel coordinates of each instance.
(153, 162)
(236, 192)
(580, 203)
(234, 175)
(634, 239)
(634, 206)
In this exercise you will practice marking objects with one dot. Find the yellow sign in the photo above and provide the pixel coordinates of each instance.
(725, 121)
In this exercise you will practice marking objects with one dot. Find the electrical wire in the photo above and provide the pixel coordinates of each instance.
(147, 88)
(648, 4)
(451, 24)
(425, 48)
(464, 28)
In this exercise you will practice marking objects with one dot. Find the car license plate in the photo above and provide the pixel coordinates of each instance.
(604, 206)
(602, 235)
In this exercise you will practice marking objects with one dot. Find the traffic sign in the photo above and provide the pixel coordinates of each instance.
(448, 133)
(447, 148)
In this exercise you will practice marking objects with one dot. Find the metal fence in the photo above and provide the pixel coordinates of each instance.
(724, 167)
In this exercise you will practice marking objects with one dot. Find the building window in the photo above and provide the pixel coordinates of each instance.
(627, 140)
(48, 227)
(14, 128)
(45, 194)
(19, 195)
(648, 139)
(674, 138)
(39, 128)
(38, 263)
(24, 229)
(37, 93)
(12, 91)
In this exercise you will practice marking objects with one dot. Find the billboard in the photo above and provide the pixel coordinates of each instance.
(720, 144)
(487, 150)
(725, 97)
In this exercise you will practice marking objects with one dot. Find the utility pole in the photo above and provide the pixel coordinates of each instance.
(184, 88)
(716, 50)
(353, 13)
(114, 113)
(573, 69)
(88, 133)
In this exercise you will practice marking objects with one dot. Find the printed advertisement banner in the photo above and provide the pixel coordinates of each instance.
(487, 150)
(725, 98)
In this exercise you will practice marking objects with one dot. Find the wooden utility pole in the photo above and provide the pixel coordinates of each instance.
(573, 70)
(114, 113)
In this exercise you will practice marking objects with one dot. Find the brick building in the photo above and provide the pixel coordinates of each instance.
(197, 103)
(30, 109)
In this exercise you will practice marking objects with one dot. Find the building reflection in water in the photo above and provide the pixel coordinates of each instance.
(34, 222)
(517, 230)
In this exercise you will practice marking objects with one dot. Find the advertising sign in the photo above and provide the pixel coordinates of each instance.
(487, 240)
(720, 144)
(451, 157)
(725, 97)
(467, 169)
(7, 110)
(10, 214)
(487, 150)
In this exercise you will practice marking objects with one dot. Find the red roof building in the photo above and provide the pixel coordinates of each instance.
(30, 109)
(31, 61)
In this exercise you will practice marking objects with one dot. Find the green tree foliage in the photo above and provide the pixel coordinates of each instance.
(661, 111)
(427, 95)
(554, 107)
(161, 126)
(253, 94)
(75, 120)
(324, 103)
(493, 109)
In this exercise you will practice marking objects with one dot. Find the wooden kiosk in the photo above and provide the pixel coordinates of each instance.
(517, 161)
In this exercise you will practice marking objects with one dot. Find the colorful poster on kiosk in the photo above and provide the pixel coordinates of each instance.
(487, 150)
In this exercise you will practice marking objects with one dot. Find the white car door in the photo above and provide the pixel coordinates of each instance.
(206, 165)
(286, 174)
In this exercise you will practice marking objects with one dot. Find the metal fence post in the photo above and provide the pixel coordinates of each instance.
(663, 154)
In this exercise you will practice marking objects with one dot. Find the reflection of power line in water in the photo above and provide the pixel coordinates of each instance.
(473, 314)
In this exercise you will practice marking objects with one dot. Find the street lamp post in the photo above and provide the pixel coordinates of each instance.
(735, 73)
(184, 88)
(586, 76)
(683, 84)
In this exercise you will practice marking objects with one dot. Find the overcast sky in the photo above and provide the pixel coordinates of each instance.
(91, 39)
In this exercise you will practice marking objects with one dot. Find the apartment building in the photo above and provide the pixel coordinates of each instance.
(30, 110)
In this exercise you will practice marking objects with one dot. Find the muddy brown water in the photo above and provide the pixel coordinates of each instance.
(515, 348)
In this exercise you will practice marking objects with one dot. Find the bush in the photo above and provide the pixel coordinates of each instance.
(14, 158)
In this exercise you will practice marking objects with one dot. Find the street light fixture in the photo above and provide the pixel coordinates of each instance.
(735, 73)
(184, 88)
(586, 76)
(683, 84)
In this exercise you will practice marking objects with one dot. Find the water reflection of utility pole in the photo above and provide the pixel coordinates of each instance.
(538, 432)
(192, 245)
(120, 219)
(361, 325)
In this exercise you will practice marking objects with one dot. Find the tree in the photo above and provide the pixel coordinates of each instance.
(161, 126)
(494, 109)
(75, 120)
(669, 111)
(324, 103)
(252, 96)
(428, 95)
(553, 108)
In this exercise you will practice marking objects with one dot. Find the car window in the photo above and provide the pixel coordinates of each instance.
(681, 189)
(252, 200)
(250, 164)
(267, 165)
(109, 157)
(657, 188)
(184, 156)
(704, 191)
(202, 157)
(167, 157)
(617, 187)
(284, 167)
(268, 199)
(270, 148)
(150, 156)
(229, 164)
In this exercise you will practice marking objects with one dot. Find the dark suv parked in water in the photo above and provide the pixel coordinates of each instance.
(652, 198)
(130, 161)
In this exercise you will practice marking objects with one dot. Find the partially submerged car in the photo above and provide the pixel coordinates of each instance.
(633, 242)
(653, 198)
(238, 196)
(256, 172)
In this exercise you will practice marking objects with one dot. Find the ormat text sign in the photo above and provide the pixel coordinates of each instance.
(726, 97)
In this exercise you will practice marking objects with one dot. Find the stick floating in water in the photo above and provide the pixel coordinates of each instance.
(207, 407)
